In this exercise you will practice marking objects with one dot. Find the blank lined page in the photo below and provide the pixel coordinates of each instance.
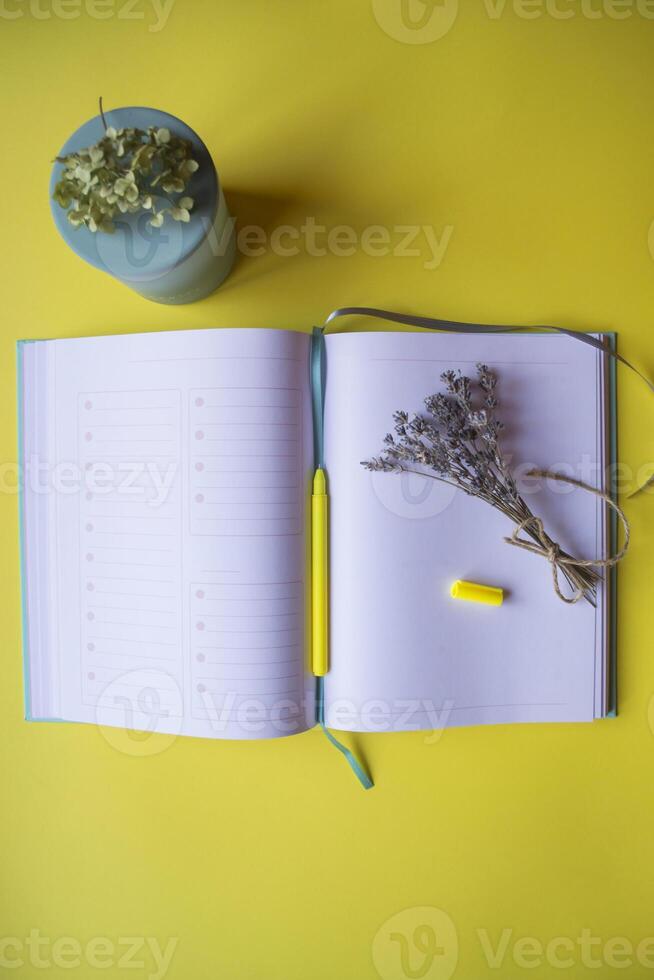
(246, 454)
(404, 653)
(179, 568)
(129, 577)
(245, 631)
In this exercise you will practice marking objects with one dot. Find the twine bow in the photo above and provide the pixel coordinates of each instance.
(579, 572)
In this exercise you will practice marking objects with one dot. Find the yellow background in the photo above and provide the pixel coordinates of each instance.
(530, 134)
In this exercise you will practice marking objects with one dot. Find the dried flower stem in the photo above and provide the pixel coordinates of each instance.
(457, 443)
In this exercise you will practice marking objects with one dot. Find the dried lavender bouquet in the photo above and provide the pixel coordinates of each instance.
(457, 442)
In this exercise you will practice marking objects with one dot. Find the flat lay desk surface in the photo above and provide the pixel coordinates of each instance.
(503, 155)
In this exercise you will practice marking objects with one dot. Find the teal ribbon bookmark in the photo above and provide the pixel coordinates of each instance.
(318, 402)
(356, 767)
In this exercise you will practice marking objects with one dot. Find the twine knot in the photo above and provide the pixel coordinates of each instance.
(579, 572)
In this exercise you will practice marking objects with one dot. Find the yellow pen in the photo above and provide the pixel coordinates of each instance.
(319, 575)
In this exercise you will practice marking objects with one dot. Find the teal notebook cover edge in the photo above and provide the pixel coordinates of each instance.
(22, 548)
(27, 695)
(613, 531)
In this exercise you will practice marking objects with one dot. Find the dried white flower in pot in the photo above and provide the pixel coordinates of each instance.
(121, 173)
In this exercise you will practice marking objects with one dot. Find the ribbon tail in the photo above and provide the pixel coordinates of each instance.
(354, 763)
(356, 767)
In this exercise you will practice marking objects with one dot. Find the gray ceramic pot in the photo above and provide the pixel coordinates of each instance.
(178, 263)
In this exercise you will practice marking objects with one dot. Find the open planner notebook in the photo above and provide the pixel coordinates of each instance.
(166, 539)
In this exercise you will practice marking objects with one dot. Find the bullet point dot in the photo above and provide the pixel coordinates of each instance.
(199, 434)
(88, 436)
(89, 557)
(199, 467)
(200, 658)
(199, 626)
(199, 498)
(200, 594)
(91, 675)
(199, 402)
(201, 688)
(88, 404)
(89, 527)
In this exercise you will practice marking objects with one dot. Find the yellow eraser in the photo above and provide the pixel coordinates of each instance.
(487, 594)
